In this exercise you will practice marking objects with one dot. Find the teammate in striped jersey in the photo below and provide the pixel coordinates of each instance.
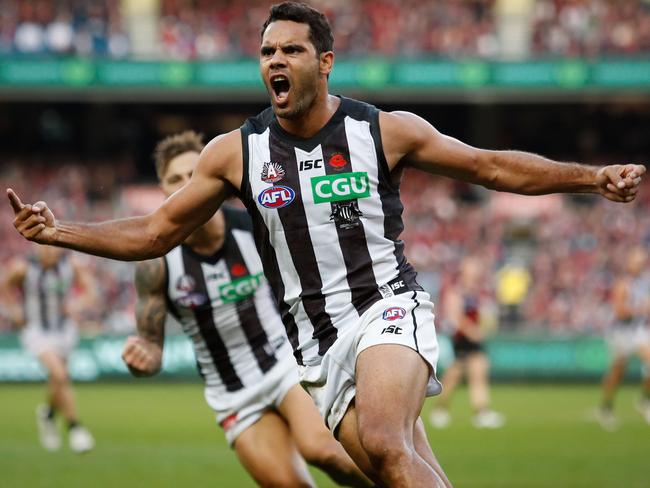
(628, 335)
(48, 332)
(320, 174)
(213, 285)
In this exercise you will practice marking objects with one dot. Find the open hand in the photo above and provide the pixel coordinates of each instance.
(620, 182)
(34, 222)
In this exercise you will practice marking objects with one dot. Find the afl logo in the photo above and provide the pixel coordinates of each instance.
(393, 313)
(276, 197)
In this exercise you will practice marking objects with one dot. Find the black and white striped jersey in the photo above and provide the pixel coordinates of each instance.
(225, 306)
(45, 291)
(327, 218)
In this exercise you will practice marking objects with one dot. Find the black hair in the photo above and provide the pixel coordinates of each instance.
(320, 32)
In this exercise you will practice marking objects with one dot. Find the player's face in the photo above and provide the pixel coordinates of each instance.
(178, 172)
(290, 68)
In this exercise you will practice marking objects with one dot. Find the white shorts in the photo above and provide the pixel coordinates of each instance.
(236, 411)
(37, 341)
(405, 319)
(625, 340)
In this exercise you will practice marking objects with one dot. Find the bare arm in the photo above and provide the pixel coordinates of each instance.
(143, 353)
(409, 138)
(219, 170)
(10, 287)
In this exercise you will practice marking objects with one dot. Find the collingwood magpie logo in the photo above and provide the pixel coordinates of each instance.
(346, 214)
(272, 172)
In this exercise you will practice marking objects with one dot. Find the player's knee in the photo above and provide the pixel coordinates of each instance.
(59, 377)
(320, 450)
(384, 448)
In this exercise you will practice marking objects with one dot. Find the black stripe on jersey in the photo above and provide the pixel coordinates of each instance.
(272, 273)
(415, 322)
(263, 242)
(296, 230)
(352, 238)
(208, 329)
(249, 320)
(42, 298)
(391, 204)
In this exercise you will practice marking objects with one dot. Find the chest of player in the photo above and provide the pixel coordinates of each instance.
(330, 186)
(213, 286)
(47, 283)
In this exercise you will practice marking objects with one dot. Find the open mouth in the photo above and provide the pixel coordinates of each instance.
(281, 86)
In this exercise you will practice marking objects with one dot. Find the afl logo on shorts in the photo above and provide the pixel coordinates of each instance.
(393, 313)
(276, 197)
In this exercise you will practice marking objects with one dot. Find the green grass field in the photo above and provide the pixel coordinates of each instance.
(162, 435)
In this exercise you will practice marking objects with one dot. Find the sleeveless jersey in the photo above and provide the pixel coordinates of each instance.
(638, 293)
(327, 216)
(471, 311)
(45, 291)
(225, 306)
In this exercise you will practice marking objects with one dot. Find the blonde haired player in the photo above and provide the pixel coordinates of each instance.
(212, 284)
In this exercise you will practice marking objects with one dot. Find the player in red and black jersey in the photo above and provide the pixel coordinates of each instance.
(466, 306)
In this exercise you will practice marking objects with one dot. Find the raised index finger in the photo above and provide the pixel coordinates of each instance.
(16, 204)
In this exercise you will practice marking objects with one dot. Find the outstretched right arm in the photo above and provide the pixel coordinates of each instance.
(217, 172)
(143, 353)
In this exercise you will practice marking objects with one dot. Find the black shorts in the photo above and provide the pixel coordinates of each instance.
(464, 347)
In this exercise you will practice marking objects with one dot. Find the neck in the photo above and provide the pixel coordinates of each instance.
(314, 118)
(208, 238)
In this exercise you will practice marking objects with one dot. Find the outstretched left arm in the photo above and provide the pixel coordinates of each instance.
(409, 138)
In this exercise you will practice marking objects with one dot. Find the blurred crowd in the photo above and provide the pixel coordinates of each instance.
(63, 28)
(214, 29)
(591, 27)
(204, 29)
(550, 261)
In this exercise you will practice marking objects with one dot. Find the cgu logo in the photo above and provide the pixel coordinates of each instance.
(336, 188)
(393, 313)
(240, 289)
(276, 197)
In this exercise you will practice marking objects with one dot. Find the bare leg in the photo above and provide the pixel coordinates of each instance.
(644, 355)
(61, 395)
(387, 405)
(315, 442)
(477, 379)
(612, 380)
(423, 448)
(450, 380)
(268, 452)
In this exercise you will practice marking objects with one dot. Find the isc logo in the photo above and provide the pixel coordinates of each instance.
(276, 197)
(393, 313)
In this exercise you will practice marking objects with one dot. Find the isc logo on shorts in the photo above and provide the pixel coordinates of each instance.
(393, 313)
(276, 197)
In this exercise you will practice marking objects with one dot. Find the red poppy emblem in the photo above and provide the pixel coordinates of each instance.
(238, 269)
(338, 161)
